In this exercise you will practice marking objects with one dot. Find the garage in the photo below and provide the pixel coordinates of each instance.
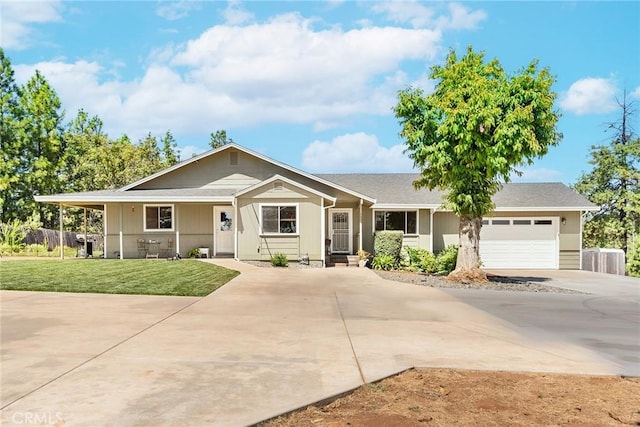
(520, 242)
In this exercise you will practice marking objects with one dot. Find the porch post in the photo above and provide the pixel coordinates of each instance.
(120, 233)
(235, 229)
(360, 226)
(322, 233)
(61, 233)
(104, 231)
(175, 214)
(85, 234)
(432, 211)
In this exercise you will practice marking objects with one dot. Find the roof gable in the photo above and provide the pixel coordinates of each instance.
(260, 172)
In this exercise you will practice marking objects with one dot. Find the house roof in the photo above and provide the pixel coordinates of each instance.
(288, 181)
(397, 190)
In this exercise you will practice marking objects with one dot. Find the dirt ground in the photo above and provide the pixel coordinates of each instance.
(446, 397)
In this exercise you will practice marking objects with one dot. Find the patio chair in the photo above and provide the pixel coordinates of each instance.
(142, 248)
(154, 249)
(167, 251)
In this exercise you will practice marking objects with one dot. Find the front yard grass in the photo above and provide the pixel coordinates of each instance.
(112, 276)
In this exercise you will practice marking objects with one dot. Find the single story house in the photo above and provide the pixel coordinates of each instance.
(235, 202)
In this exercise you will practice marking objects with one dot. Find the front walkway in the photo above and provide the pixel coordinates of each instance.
(268, 342)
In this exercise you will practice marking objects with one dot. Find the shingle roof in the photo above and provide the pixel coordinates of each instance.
(173, 194)
(391, 189)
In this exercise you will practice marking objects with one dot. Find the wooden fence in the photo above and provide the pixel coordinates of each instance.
(51, 238)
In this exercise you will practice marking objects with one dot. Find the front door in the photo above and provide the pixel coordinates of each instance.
(223, 229)
(340, 231)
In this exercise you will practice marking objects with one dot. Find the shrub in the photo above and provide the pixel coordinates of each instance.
(193, 253)
(279, 260)
(633, 259)
(446, 260)
(388, 243)
(420, 259)
(384, 262)
(11, 236)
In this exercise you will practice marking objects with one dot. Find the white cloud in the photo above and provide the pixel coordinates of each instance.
(280, 71)
(189, 151)
(173, 10)
(418, 15)
(636, 93)
(461, 18)
(590, 96)
(355, 152)
(234, 14)
(18, 18)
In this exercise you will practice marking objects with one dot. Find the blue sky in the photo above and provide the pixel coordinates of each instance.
(312, 83)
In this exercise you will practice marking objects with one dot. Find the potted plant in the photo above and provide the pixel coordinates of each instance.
(363, 258)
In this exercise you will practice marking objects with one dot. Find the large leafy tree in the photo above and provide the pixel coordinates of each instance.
(614, 185)
(472, 133)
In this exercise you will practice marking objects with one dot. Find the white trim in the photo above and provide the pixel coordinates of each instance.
(216, 210)
(121, 246)
(546, 209)
(251, 153)
(417, 211)
(323, 235)
(235, 229)
(580, 240)
(133, 198)
(284, 204)
(401, 207)
(158, 230)
(431, 232)
(360, 226)
(350, 212)
(288, 181)
(106, 234)
(177, 225)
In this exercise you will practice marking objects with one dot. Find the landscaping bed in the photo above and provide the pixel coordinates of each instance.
(495, 283)
(446, 397)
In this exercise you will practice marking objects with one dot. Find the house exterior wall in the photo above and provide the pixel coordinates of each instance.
(420, 240)
(193, 228)
(252, 245)
(446, 233)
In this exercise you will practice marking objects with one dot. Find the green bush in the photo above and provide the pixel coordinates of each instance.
(193, 253)
(279, 260)
(388, 243)
(446, 260)
(384, 262)
(420, 259)
(633, 259)
(11, 236)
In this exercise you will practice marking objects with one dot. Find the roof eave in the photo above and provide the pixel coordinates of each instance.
(135, 199)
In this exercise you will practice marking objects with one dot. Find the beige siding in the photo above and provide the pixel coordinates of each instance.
(254, 246)
(193, 223)
(445, 230)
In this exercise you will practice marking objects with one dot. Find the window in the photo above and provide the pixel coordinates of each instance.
(279, 219)
(158, 217)
(405, 221)
(500, 222)
(521, 222)
(542, 222)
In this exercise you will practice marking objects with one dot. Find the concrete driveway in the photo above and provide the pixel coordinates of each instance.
(274, 340)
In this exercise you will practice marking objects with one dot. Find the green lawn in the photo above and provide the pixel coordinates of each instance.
(112, 276)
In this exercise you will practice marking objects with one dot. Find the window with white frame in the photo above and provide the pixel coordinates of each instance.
(279, 219)
(158, 217)
(405, 221)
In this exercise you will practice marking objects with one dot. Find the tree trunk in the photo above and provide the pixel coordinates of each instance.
(468, 262)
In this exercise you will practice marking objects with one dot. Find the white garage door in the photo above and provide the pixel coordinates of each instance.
(507, 242)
